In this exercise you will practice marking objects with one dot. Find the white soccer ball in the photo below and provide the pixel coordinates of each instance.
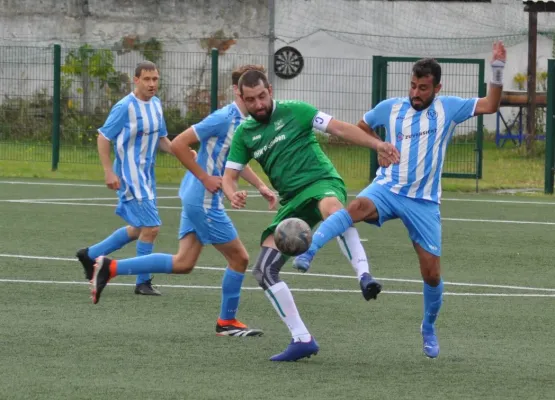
(293, 236)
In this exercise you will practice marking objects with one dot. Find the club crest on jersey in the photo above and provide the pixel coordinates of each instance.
(399, 136)
(431, 114)
(279, 124)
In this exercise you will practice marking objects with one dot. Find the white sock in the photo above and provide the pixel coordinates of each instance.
(352, 248)
(281, 298)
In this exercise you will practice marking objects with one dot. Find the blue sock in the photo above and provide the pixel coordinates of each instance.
(153, 263)
(333, 226)
(114, 242)
(231, 292)
(143, 249)
(433, 297)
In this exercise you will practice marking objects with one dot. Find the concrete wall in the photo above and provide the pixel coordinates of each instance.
(337, 72)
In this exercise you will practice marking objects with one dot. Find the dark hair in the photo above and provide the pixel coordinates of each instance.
(240, 70)
(145, 66)
(253, 78)
(425, 67)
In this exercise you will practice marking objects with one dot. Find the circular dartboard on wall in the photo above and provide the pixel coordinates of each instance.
(288, 62)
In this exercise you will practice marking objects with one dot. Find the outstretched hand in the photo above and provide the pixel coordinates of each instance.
(387, 154)
(270, 197)
(499, 52)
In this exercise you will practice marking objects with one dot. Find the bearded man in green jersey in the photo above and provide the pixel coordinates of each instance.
(279, 136)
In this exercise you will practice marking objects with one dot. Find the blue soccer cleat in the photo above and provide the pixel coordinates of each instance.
(297, 350)
(430, 345)
(302, 262)
(369, 286)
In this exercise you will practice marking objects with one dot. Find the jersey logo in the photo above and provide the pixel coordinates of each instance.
(431, 114)
(256, 137)
(279, 124)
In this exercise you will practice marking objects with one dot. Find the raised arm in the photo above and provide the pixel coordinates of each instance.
(490, 103)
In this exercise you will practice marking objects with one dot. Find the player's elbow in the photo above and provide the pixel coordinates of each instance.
(488, 106)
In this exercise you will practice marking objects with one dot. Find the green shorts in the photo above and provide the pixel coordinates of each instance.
(305, 204)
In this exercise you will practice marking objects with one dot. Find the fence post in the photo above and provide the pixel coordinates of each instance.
(56, 107)
(214, 82)
(376, 79)
(549, 150)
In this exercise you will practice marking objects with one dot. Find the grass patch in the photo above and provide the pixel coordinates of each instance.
(504, 168)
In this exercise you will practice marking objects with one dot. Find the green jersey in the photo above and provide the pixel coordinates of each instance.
(285, 147)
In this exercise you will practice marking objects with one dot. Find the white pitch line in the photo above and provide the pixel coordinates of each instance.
(66, 203)
(401, 280)
(254, 192)
(91, 185)
(305, 290)
(73, 199)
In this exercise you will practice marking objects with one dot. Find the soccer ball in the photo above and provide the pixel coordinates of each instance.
(293, 236)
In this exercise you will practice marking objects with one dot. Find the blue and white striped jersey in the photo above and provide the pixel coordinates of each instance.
(215, 133)
(421, 137)
(135, 128)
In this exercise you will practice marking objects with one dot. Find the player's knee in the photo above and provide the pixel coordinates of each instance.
(330, 205)
(239, 261)
(182, 264)
(148, 234)
(259, 276)
(431, 273)
(362, 209)
(133, 232)
(432, 279)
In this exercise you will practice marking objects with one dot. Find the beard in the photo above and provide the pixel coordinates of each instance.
(263, 119)
(422, 105)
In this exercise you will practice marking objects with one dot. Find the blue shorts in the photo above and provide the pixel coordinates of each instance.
(139, 214)
(421, 217)
(211, 226)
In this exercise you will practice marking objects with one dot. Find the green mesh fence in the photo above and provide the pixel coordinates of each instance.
(26, 82)
(93, 80)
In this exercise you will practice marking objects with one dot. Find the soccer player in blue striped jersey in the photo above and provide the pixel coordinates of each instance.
(420, 126)
(136, 129)
(203, 218)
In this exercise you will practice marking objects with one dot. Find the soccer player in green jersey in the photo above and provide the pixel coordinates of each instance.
(279, 136)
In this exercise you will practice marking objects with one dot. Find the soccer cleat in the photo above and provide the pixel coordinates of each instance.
(297, 350)
(146, 289)
(369, 286)
(430, 345)
(302, 262)
(101, 276)
(235, 328)
(87, 262)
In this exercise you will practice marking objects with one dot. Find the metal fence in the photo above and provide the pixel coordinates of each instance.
(87, 82)
(53, 99)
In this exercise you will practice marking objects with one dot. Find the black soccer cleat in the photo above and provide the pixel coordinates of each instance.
(87, 262)
(146, 289)
(100, 278)
(235, 328)
(369, 286)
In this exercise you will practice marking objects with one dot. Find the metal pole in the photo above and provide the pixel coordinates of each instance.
(531, 106)
(550, 115)
(271, 38)
(56, 107)
(214, 81)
